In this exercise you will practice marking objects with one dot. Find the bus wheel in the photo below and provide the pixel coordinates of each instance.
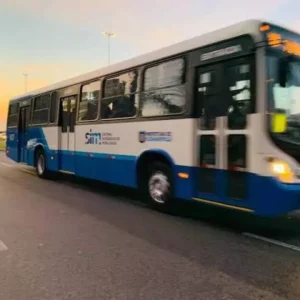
(40, 163)
(160, 186)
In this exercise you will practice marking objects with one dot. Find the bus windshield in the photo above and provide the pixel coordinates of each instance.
(285, 99)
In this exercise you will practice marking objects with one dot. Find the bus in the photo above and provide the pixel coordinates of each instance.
(210, 119)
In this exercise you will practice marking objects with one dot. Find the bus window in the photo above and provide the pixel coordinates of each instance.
(12, 120)
(120, 96)
(53, 108)
(237, 164)
(208, 162)
(239, 84)
(207, 97)
(164, 90)
(41, 109)
(89, 101)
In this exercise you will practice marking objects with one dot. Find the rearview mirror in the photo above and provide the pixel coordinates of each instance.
(278, 122)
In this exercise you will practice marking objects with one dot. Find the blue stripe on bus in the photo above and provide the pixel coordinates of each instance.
(265, 196)
(104, 155)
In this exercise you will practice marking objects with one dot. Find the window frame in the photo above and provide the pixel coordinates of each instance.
(216, 70)
(99, 100)
(238, 61)
(17, 114)
(138, 93)
(33, 109)
(220, 68)
(184, 84)
(56, 109)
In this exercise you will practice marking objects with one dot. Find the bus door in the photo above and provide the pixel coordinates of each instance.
(223, 103)
(24, 118)
(67, 139)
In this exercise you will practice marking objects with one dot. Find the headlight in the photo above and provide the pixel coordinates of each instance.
(282, 170)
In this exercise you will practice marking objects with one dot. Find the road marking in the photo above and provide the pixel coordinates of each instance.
(6, 165)
(271, 241)
(3, 247)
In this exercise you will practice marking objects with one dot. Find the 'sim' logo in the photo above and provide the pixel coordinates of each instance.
(93, 138)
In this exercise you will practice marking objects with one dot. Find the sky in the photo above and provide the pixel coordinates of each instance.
(58, 39)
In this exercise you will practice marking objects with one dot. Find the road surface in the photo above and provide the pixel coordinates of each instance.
(70, 239)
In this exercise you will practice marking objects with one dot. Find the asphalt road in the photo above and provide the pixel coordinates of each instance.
(70, 239)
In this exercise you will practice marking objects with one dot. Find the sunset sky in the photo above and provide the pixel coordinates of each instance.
(57, 39)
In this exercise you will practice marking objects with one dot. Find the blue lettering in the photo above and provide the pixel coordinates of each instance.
(87, 136)
(93, 138)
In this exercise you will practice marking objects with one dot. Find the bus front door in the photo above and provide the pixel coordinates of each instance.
(24, 116)
(224, 105)
(208, 90)
(67, 142)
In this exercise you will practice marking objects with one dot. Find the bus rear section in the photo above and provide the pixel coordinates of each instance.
(18, 133)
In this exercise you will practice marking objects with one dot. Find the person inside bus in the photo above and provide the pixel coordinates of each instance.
(236, 112)
(124, 105)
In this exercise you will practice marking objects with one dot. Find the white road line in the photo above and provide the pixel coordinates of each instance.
(6, 165)
(271, 241)
(3, 247)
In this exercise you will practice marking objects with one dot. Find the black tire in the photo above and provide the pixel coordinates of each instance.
(159, 198)
(41, 165)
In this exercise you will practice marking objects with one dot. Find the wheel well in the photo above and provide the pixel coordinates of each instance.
(36, 150)
(145, 160)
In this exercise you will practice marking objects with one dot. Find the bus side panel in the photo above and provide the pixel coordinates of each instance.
(52, 137)
(185, 188)
(110, 152)
(110, 168)
(47, 139)
(12, 150)
(270, 197)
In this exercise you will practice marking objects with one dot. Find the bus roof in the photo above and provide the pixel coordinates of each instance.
(246, 27)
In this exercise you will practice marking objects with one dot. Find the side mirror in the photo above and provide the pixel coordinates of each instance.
(278, 122)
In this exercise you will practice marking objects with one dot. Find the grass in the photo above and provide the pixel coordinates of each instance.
(2, 145)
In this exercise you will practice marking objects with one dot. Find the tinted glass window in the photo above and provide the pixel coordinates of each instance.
(206, 98)
(88, 106)
(13, 109)
(164, 75)
(120, 96)
(164, 90)
(239, 84)
(12, 119)
(41, 109)
(53, 108)
(42, 102)
(207, 173)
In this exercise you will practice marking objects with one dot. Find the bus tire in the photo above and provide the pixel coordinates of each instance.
(40, 165)
(158, 186)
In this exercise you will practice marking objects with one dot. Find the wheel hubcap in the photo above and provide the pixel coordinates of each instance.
(41, 164)
(159, 187)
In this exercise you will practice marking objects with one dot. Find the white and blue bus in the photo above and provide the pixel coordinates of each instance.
(210, 119)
